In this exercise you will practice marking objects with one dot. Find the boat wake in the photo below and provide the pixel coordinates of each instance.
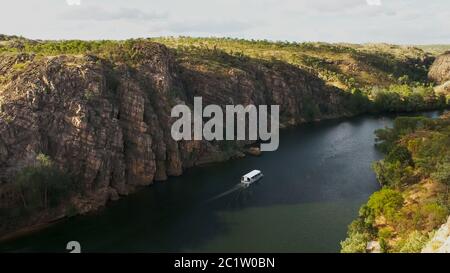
(235, 188)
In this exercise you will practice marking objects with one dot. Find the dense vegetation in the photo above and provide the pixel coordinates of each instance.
(40, 186)
(114, 51)
(344, 65)
(415, 178)
(435, 49)
(403, 97)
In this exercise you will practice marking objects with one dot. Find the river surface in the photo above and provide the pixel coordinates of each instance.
(313, 187)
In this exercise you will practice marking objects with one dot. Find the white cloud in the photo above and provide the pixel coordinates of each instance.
(209, 27)
(73, 2)
(99, 13)
(373, 2)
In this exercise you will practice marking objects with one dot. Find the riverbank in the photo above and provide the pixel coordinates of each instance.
(414, 201)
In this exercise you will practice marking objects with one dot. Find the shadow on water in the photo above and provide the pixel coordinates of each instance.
(312, 189)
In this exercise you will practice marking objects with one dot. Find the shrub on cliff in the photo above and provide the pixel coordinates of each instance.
(394, 174)
(43, 185)
(413, 243)
(414, 97)
(442, 173)
(385, 202)
(396, 169)
(400, 154)
(359, 102)
(386, 138)
(356, 243)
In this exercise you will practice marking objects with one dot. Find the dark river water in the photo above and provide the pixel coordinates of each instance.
(312, 189)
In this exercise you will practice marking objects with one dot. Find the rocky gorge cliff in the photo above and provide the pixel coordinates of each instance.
(102, 121)
(440, 73)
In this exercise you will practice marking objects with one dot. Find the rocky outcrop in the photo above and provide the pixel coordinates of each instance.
(440, 70)
(440, 73)
(106, 121)
(440, 243)
(254, 151)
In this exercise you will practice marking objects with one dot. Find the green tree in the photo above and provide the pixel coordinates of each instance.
(43, 185)
(413, 243)
(394, 174)
(356, 243)
(386, 202)
(442, 174)
(400, 154)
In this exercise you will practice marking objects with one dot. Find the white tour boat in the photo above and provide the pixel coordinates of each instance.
(251, 177)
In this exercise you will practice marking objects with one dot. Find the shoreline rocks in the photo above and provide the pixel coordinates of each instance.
(254, 151)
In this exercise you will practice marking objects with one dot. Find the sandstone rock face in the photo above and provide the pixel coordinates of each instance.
(440, 70)
(440, 242)
(108, 123)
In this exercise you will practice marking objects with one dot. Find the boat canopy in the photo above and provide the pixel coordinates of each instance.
(252, 174)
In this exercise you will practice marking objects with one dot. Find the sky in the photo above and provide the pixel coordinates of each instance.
(355, 21)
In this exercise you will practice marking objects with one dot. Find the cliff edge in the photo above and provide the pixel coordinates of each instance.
(440, 73)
